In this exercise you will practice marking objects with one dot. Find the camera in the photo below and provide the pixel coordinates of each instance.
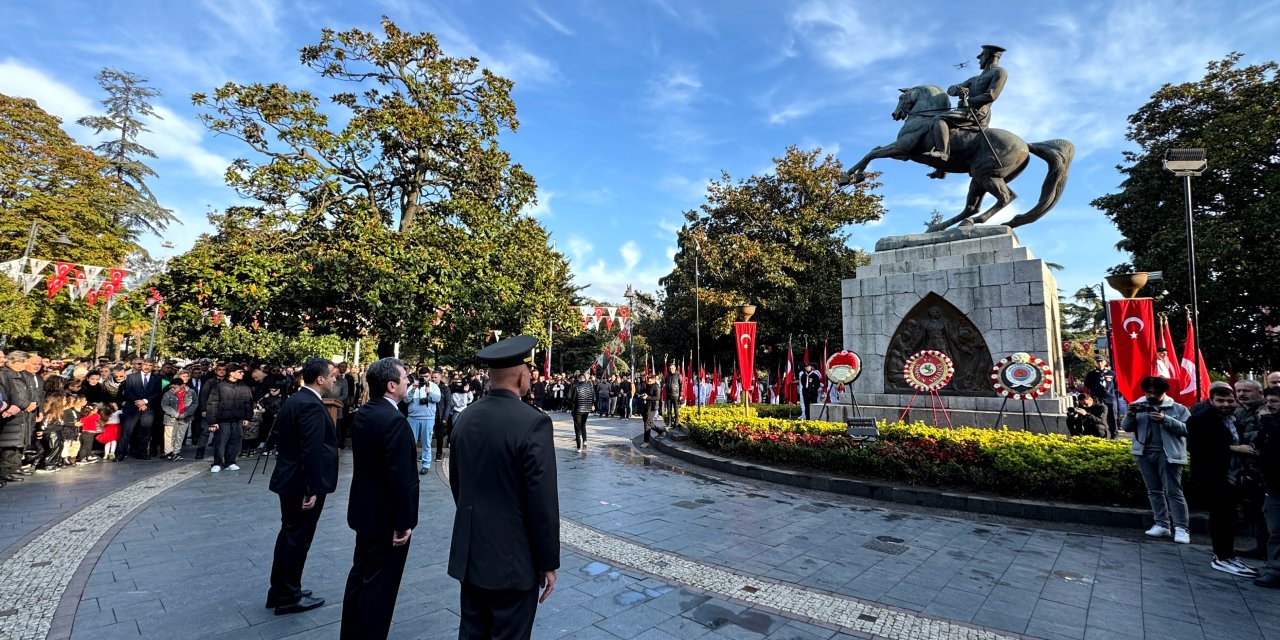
(424, 400)
(1143, 408)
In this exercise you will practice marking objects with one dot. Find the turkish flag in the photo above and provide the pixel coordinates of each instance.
(1168, 367)
(744, 334)
(787, 391)
(1195, 374)
(1134, 334)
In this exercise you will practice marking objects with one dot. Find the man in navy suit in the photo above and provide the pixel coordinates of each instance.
(306, 471)
(383, 509)
(140, 398)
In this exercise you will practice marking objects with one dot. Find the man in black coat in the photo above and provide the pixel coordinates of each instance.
(306, 471)
(16, 419)
(506, 530)
(140, 400)
(383, 509)
(810, 388)
(1217, 450)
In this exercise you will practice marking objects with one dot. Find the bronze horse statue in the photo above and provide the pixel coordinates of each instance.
(992, 158)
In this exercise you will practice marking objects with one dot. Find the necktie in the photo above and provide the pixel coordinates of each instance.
(145, 379)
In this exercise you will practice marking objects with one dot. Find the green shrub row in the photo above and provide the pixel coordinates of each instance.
(1008, 463)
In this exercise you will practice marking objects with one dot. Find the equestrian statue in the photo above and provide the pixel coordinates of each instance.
(958, 140)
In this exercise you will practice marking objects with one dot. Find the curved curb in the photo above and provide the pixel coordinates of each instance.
(1120, 517)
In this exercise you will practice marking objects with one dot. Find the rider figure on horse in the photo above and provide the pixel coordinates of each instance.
(974, 111)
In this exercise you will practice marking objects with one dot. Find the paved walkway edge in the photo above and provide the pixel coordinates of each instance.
(1010, 507)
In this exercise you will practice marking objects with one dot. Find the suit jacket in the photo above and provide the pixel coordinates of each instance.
(384, 481)
(811, 385)
(133, 390)
(307, 445)
(502, 470)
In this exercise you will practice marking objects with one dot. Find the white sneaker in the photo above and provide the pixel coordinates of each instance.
(1234, 567)
(1181, 536)
(215, 469)
(1158, 531)
(233, 467)
(1244, 568)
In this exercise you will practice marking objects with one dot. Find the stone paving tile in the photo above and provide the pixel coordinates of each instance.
(1000, 576)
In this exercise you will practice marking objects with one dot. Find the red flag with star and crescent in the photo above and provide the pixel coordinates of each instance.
(1134, 332)
(744, 334)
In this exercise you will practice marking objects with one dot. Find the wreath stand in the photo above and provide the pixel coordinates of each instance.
(935, 401)
(1044, 427)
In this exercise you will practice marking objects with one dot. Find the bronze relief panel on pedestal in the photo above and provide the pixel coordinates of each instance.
(937, 324)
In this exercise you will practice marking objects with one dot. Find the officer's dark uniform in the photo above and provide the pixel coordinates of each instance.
(506, 531)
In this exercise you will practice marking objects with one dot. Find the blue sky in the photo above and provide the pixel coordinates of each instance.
(628, 108)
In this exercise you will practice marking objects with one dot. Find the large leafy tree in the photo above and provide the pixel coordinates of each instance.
(128, 100)
(1234, 113)
(778, 241)
(392, 210)
(46, 177)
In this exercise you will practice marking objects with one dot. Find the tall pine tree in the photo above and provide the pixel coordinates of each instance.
(127, 102)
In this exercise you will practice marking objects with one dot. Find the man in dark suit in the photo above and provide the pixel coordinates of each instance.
(506, 531)
(306, 471)
(140, 396)
(383, 509)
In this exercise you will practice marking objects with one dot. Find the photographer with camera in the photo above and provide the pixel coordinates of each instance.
(1220, 454)
(1159, 428)
(423, 399)
(1087, 418)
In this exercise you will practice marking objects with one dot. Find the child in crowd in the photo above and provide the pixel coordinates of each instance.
(110, 435)
(48, 435)
(70, 431)
(90, 427)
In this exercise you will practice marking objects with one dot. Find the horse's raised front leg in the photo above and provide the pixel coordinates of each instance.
(972, 202)
(857, 173)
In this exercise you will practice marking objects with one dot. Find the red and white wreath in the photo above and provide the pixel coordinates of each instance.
(1022, 376)
(928, 370)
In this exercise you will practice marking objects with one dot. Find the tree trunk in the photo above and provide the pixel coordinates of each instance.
(104, 329)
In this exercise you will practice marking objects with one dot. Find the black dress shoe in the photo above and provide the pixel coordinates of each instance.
(1268, 580)
(422, 471)
(272, 604)
(307, 603)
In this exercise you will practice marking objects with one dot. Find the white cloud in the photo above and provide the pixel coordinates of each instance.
(17, 79)
(176, 137)
(172, 137)
(630, 254)
(249, 20)
(842, 36)
(541, 208)
(691, 191)
(555, 24)
(579, 248)
(673, 89)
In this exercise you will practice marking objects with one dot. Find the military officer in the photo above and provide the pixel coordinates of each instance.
(502, 471)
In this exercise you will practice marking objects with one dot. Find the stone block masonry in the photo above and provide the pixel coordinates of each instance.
(1008, 293)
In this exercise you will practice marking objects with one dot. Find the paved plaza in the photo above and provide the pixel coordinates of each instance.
(652, 549)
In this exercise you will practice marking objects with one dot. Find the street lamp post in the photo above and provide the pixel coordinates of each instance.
(630, 295)
(1185, 163)
(697, 323)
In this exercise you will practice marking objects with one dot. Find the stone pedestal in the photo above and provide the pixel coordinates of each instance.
(1009, 295)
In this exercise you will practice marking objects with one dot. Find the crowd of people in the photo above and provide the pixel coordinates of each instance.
(58, 415)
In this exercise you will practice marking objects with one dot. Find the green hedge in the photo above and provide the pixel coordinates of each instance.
(1009, 463)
